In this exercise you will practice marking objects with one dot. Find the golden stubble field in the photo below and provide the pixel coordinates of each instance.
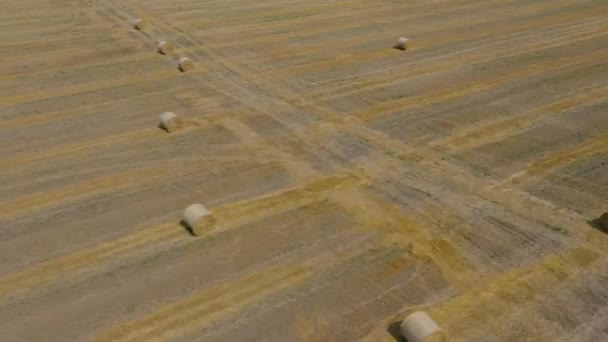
(352, 183)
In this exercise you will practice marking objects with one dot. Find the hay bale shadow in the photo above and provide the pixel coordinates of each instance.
(160, 125)
(597, 225)
(186, 227)
(395, 330)
(397, 47)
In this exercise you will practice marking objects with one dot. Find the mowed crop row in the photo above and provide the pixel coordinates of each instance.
(352, 183)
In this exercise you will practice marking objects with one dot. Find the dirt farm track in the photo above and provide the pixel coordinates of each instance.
(352, 183)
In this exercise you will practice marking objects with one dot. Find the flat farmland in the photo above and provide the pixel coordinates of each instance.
(352, 183)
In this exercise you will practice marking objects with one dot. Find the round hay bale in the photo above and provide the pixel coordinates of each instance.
(198, 218)
(603, 220)
(170, 122)
(165, 48)
(138, 24)
(420, 327)
(402, 43)
(185, 64)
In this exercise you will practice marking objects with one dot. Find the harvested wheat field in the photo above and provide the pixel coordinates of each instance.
(344, 182)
